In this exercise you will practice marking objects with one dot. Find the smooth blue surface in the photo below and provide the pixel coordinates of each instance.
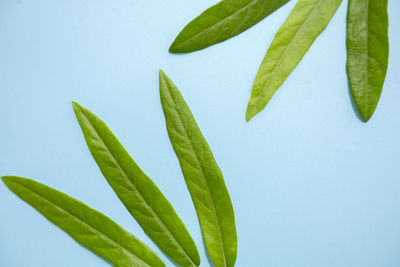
(312, 185)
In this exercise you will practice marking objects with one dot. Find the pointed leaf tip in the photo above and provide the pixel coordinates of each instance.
(161, 73)
(366, 117)
(75, 105)
(7, 179)
(248, 116)
(172, 49)
(250, 113)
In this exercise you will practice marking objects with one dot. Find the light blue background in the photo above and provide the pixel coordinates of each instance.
(312, 186)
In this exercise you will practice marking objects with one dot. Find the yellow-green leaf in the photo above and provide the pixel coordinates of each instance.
(294, 38)
(202, 175)
(137, 191)
(87, 226)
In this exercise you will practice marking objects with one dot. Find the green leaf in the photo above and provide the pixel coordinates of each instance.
(367, 52)
(87, 226)
(307, 20)
(137, 191)
(202, 175)
(223, 21)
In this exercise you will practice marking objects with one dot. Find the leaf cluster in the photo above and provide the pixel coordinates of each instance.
(141, 196)
(367, 43)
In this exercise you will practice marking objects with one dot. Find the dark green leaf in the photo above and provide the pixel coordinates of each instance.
(367, 52)
(223, 21)
(87, 226)
(307, 20)
(202, 175)
(137, 191)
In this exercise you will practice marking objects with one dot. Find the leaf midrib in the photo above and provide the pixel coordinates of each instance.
(367, 97)
(161, 223)
(84, 223)
(202, 171)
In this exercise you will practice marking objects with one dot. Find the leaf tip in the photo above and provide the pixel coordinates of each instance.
(75, 105)
(365, 114)
(179, 48)
(172, 49)
(5, 179)
(161, 73)
(8, 179)
(250, 113)
(164, 79)
(366, 117)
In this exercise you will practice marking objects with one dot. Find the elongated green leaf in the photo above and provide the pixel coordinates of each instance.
(137, 191)
(307, 20)
(223, 21)
(367, 52)
(202, 175)
(87, 226)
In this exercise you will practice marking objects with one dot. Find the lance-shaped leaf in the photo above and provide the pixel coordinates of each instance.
(367, 52)
(137, 191)
(307, 20)
(223, 21)
(202, 175)
(87, 226)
